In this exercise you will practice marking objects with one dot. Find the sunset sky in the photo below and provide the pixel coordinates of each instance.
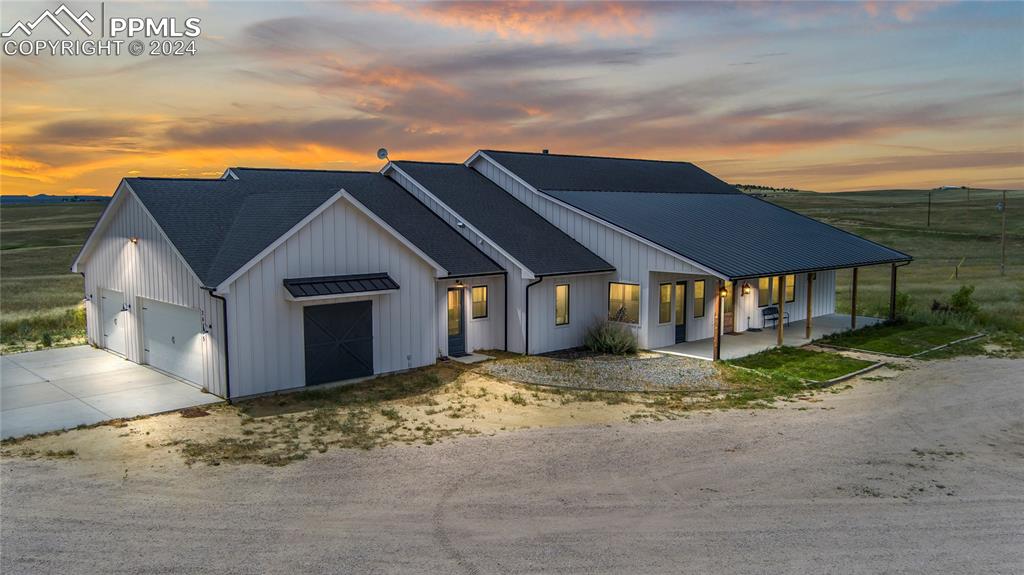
(825, 96)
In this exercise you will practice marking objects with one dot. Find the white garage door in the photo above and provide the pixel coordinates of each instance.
(113, 318)
(173, 339)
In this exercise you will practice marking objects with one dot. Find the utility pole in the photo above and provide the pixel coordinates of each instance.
(1002, 262)
(929, 224)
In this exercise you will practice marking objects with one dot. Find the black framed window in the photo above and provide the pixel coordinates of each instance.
(698, 298)
(763, 292)
(664, 303)
(624, 302)
(790, 288)
(562, 304)
(479, 302)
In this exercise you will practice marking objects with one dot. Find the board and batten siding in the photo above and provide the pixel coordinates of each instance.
(266, 333)
(515, 285)
(588, 305)
(481, 333)
(633, 260)
(148, 269)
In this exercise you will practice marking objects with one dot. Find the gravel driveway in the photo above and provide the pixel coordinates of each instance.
(920, 474)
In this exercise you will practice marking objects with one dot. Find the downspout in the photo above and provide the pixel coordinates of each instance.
(227, 349)
(506, 310)
(526, 343)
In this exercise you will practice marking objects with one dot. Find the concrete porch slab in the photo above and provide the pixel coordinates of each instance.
(472, 358)
(57, 389)
(745, 343)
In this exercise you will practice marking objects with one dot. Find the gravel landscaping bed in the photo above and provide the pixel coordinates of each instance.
(642, 372)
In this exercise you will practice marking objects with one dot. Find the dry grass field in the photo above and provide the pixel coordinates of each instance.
(39, 295)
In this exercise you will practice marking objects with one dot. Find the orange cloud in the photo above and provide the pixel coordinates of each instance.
(534, 21)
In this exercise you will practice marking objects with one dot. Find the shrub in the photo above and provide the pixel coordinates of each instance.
(47, 340)
(962, 302)
(607, 337)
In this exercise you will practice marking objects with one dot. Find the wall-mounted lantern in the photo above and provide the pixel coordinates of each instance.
(723, 292)
(134, 239)
(746, 288)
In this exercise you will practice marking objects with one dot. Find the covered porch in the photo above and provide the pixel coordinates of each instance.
(736, 345)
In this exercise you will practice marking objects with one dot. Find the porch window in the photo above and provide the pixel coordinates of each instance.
(664, 303)
(790, 289)
(562, 304)
(624, 302)
(479, 302)
(698, 298)
(763, 291)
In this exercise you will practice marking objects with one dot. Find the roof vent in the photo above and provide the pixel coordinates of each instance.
(544, 151)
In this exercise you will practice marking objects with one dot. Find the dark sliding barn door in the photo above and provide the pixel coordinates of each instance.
(339, 341)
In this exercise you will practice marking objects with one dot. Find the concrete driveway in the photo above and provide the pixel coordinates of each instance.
(64, 388)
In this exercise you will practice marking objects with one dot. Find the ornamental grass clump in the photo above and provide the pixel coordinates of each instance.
(612, 338)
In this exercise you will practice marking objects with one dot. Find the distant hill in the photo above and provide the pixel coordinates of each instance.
(763, 191)
(48, 199)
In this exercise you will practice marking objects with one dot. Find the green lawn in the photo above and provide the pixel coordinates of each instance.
(38, 293)
(898, 339)
(802, 363)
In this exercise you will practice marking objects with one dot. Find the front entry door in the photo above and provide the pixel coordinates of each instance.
(728, 319)
(456, 324)
(680, 312)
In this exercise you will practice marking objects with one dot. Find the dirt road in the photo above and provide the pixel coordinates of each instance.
(924, 473)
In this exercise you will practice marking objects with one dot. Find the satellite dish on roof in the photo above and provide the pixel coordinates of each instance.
(382, 154)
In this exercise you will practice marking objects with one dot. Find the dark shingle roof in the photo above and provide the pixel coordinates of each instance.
(400, 209)
(520, 231)
(219, 225)
(734, 234)
(562, 172)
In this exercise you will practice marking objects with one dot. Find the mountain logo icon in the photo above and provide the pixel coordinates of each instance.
(28, 27)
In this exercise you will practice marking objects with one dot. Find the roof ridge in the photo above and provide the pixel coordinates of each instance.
(172, 178)
(631, 191)
(301, 170)
(426, 162)
(590, 157)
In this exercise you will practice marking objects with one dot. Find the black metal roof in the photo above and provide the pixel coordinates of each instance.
(736, 235)
(393, 204)
(522, 232)
(564, 172)
(339, 285)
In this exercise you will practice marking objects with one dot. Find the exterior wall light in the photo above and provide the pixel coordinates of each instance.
(746, 288)
(134, 239)
(723, 292)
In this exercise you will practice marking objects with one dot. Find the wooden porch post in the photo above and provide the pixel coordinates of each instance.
(782, 309)
(892, 293)
(717, 340)
(853, 301)
(810, 302)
